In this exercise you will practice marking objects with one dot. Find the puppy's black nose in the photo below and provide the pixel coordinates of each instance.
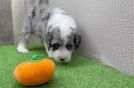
(62, 59)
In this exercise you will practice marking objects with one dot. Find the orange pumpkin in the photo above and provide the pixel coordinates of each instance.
(35, 73)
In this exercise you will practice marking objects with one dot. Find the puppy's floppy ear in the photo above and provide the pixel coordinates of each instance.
(49, 38)
(53, 35)
(77, 39)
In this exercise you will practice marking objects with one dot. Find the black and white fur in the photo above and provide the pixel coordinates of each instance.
(56, 29)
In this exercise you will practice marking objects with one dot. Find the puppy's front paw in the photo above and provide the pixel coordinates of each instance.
(22, 49)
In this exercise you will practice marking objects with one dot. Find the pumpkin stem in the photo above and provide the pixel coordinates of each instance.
(37, 57)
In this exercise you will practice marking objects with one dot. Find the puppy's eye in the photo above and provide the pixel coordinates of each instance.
(56, 46)
(69, 46)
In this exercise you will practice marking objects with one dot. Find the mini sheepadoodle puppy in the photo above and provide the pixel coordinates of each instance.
(56, 29)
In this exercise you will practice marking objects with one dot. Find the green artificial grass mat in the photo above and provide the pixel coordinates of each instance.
(79, 73)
